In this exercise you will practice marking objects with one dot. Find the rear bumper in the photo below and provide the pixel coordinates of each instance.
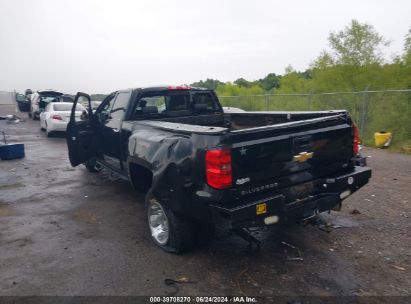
(55, 125)
(329, 193)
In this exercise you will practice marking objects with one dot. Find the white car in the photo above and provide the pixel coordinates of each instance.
(56, 116)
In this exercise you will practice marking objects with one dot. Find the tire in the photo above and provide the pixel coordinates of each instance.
(92, 166)
(29, 114)
(176, 233)
(48, 133)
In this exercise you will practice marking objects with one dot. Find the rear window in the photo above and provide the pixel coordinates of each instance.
(67, 107)
(175, 101)
(66, 99)
(163, 102)
(48, 99)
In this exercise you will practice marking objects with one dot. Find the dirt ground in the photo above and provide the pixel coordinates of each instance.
(65, 231)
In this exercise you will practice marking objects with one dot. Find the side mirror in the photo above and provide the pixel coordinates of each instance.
(81, 98)
(84, 115)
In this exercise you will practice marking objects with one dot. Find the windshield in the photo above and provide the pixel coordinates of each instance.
(67, 107)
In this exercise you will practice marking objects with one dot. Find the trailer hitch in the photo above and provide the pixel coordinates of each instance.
(246, 235)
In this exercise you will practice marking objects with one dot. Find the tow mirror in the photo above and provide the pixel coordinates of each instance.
(84, 115)
(84, 99)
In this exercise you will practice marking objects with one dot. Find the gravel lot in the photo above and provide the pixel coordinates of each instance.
(64, 231)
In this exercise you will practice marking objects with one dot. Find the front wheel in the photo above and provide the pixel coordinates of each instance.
(168, 230)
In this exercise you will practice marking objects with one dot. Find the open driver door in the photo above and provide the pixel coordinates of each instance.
(81, 136)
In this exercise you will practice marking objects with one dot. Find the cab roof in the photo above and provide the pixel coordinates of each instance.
(172, 88)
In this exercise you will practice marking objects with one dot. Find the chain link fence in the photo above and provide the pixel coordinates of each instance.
(373, 111)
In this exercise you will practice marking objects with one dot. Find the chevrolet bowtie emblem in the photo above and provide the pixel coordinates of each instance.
(303, 156)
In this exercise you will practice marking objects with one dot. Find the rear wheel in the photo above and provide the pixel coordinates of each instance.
(168, 230)
(48, 133)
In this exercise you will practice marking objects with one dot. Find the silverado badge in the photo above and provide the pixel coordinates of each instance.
(303, 156)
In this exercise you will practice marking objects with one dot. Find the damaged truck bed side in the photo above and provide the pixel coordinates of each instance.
(202, 168)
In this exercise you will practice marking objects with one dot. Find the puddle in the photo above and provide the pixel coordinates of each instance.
(11, 186)
(5, 211)
(85, 216)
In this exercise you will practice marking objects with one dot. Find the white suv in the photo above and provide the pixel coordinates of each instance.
(40, 99)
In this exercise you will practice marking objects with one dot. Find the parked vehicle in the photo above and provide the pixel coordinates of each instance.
(23, 102)
(56, 116)
(66, 98)
(202, 168)
(40, 99)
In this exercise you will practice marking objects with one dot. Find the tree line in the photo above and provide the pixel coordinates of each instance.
(354, 62)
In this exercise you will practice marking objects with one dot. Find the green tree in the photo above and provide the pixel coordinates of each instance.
(325, 60)
(358, 44)
(243, 83)
(407, 48)
(269, 82)
(209, 83)
(407, 43)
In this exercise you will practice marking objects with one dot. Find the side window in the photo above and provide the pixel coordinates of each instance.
(116, 113)
(103, 111)
(203, 101)
(107, 105)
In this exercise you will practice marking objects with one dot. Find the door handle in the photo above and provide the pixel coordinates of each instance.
(115, 130)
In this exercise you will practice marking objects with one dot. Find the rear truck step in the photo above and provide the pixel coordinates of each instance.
(278, 207)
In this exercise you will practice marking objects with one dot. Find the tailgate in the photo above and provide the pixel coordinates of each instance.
(291, 153)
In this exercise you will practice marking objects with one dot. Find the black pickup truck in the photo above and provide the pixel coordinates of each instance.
(203, 168)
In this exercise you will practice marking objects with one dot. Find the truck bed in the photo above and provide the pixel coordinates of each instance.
(265, 145)
(241, 122)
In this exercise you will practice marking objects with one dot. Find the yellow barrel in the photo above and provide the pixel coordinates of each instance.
(382, 139)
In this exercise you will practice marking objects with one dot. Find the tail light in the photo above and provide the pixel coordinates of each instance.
(56, 117)
(218, 168)
(356, 140)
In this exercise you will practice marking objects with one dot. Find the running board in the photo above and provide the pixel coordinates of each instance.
(114, 174)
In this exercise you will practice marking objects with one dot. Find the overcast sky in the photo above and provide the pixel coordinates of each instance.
(101, 46)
